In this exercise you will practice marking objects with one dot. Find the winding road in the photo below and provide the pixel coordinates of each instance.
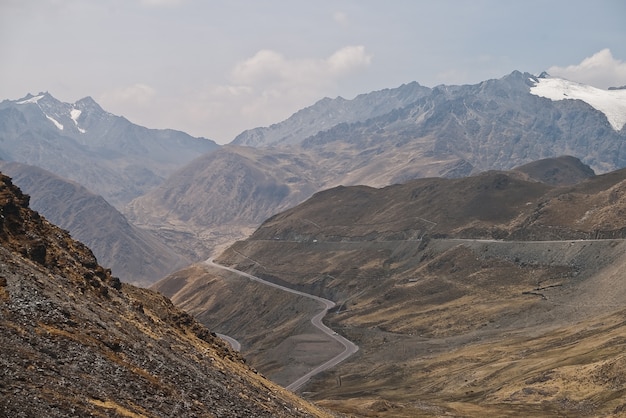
(236, 345)
(349, 347)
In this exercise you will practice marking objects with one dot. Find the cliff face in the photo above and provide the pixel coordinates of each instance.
(74, 341)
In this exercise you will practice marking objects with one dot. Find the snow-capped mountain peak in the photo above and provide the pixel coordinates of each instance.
(55, 111)
(610, 102)
(80, 141)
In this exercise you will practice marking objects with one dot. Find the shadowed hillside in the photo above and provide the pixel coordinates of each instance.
(136, 255)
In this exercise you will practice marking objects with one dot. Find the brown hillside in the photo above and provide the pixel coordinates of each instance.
(481, 206)
(561, 171)
(74, 341)
(467, 297)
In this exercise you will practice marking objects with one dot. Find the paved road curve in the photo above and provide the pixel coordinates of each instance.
(236, 345)
(349, 347)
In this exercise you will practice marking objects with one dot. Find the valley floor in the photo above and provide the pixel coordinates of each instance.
(545, 341)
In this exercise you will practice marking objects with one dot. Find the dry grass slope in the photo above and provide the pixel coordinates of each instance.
(486, 295)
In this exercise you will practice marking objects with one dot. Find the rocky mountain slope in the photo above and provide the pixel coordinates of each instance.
(327, 113)
(80, 141)
(136, 255)
(496, 124)
(446, 131)
(488, 295)
(74, 341)
(223, 196)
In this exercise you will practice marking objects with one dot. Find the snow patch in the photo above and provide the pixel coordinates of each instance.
(75, 114)
(33, 99)
(610, 102)
(58, 125)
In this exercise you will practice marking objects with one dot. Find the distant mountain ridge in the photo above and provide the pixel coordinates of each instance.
(388, 137)
(496, 124)
(80, 141)
(327, 113)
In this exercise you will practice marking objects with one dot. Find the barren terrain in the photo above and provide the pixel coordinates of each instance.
(486, 295)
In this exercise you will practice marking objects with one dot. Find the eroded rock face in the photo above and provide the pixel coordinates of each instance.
(74, 341)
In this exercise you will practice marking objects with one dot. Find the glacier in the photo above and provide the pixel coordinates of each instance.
(610, 102)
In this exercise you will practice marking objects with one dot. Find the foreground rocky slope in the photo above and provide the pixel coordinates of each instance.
(74, 341)
(136, 255)
(486, 295)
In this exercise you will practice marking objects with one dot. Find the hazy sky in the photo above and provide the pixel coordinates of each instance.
(215, 68)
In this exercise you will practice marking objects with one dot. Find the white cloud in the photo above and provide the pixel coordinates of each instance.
(265, 66)
(340, 18)
(219, 112)
(600, 70)
(269, 86)
(263, 89)
(270, 67)
(134, 95)
(266, 88)
(348, 59)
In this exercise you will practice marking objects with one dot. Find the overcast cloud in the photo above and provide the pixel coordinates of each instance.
(213, 68)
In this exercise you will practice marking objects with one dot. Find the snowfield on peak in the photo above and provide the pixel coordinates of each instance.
(610, 102)
(75, 114)
(33, 99)
(56, 122)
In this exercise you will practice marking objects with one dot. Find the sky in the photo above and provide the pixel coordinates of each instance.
(214, 68)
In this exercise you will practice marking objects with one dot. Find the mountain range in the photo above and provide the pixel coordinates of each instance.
(446, 131)
(80, 141)
(208, 198)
